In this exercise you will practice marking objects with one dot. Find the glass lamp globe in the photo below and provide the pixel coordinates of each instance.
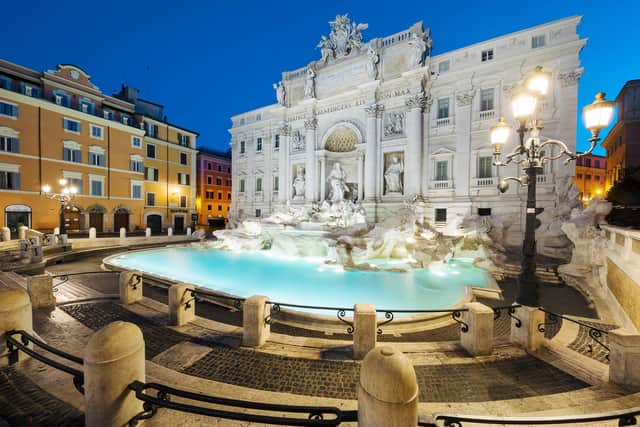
(538, 81)
(499, 135)
(598, 114)
(523, 104)
(46, 188)
(73, 190)
(62, 181)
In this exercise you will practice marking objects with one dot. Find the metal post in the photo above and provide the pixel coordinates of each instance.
(63, 229)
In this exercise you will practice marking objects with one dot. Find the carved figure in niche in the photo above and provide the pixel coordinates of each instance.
(280, 92)
(394, 124)
(419, 44)
(372, 65)
(299, 182)
(393, 176)
(338, 183)
(310, 84)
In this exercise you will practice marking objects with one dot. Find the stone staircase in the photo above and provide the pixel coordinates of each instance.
(548, 275)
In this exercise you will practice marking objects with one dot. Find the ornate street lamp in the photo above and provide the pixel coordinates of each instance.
(530, 153)
(66, 194)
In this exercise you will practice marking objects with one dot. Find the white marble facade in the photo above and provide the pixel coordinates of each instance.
(402, 122)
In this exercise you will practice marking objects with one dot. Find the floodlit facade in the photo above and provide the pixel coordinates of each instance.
(397, 121)
(214, 188)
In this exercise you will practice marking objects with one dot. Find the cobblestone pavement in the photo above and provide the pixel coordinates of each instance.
(496, 380)
(23, 403)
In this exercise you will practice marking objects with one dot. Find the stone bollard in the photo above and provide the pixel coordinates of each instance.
(123, 233)
(387, 390)
(188, 231)
(624, 358)
(478, 340)
(92, 233)
(182, 305)
(130, 287)
(22, 232)
(5, 234)
(40, 289)
(255, 331)
(113, 359)
(15, 314)
(147, 232)
(527, 335)
(64, 239)
(56, 230)
(169, 231)
(36, 253)
(365, 330)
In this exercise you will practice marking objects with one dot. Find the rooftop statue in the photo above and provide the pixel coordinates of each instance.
(345, 37)
(280, 92)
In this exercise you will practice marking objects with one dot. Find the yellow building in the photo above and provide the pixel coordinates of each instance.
(57, 124)
(590, 177)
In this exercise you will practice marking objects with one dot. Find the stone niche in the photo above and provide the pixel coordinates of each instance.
(393, 173)
(298, 182)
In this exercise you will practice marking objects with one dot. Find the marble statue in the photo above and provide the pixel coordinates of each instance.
(299, 183)
(310, 84)
(338, 183)
(394, 124)
(326, 49)
(392, 176)
(419, 44)
(345, 38)
(297, 141)
(280, 92)
(372, 65)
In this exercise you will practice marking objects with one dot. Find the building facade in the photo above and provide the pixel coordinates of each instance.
(590, 177)
(396, 122)
(58, 124)
(214, 188)
(623, 141)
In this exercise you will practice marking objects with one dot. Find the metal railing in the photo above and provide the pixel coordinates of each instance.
(63, 278)
(596, 334)
(625, 417)
(14, 345)
(456, 315)
(314, 415)
(197, 295)
(511, 311)
(341, 313)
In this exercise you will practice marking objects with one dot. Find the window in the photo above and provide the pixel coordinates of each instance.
(75, 181)
(441, 215)
(579, 176)
(152, 130)
(579, 161)
(486, 99)
(484, 211)
(208, 165)
(208, 195)
(242, 185)
(219, 195)
(597, 177)
(537, 41)
(183, 158)
(96, 187)
(183, 178)
(136, 190)
(485, 167)
(228, 183)
(258, 213)
(587, 162)
(108, 114)
(183, 201)
(219, 168)
(183, 140)
(208, 207)
(258, 184)
(242, 147)
(151, 199)
(30, 90)
(276, 183)
(218, 181)
(9, 110)
(443, 67)
(151, 151)
(441, 170)
(9, 180)
(228, 196)
(219, 207)
(86, 106)
(443, 108)
(71, 152)
(487, 55)
(96, 132)
(62, 98)
(588, 177)
(209, 180)
(135, 164)
(136, 141)
(9, 144)
(125, 119)
(96, 156)
(276, 142)
(229, 169)
(151, 174)
(5, 83)
(71, 125)
(596, 164)
(258, 145)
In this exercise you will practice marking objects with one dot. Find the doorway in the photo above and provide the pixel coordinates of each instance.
(154, 222)
(16, 216)
(72, 218)
(95, 221)
(178, 224)
(120, 220)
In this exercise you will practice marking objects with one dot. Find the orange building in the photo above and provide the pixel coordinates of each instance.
(590, 177)
(58, 124)
(214, 188)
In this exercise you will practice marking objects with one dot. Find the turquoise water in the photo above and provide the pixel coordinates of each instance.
(307, 281)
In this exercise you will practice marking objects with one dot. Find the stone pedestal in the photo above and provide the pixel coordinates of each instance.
(188, 231)
(56, 230)
(169, 231)
(624, 359)
(5, 234)
(255, 331)
(147, 232)
(388, 390)
(113, 359)
(182, 305)
(130, 287)
(527, 335)
(123, 233)
(365, 330)
(478, 340)
(92, 233)
(40, 289)
(15, 314)
(22, 232)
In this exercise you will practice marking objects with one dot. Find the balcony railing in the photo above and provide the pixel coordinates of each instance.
(541, 179)
(487, 115)
(484, 182)
(442, 185)
(443, 122)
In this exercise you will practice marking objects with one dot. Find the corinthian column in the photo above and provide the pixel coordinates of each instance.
(323, 179)
(310, 169)
(461, 164)
(413, 156)
(371, 153)
(283, 167)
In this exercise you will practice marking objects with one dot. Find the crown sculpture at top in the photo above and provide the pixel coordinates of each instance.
(345, 37)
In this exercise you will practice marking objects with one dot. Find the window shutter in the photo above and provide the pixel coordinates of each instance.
(187, 179)
(15, 145)
(15, 180)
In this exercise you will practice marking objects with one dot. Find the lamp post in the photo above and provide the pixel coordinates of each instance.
(66, 194)
(529, 153)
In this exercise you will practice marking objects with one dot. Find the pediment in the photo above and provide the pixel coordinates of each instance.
(442, 151)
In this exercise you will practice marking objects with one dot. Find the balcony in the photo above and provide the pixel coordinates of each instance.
(484, 182)
(442, 185)
(258, 196)
(443, 122)
(487, 115)
(541, 179)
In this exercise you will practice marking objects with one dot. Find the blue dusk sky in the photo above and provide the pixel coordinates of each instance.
(208, 60)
